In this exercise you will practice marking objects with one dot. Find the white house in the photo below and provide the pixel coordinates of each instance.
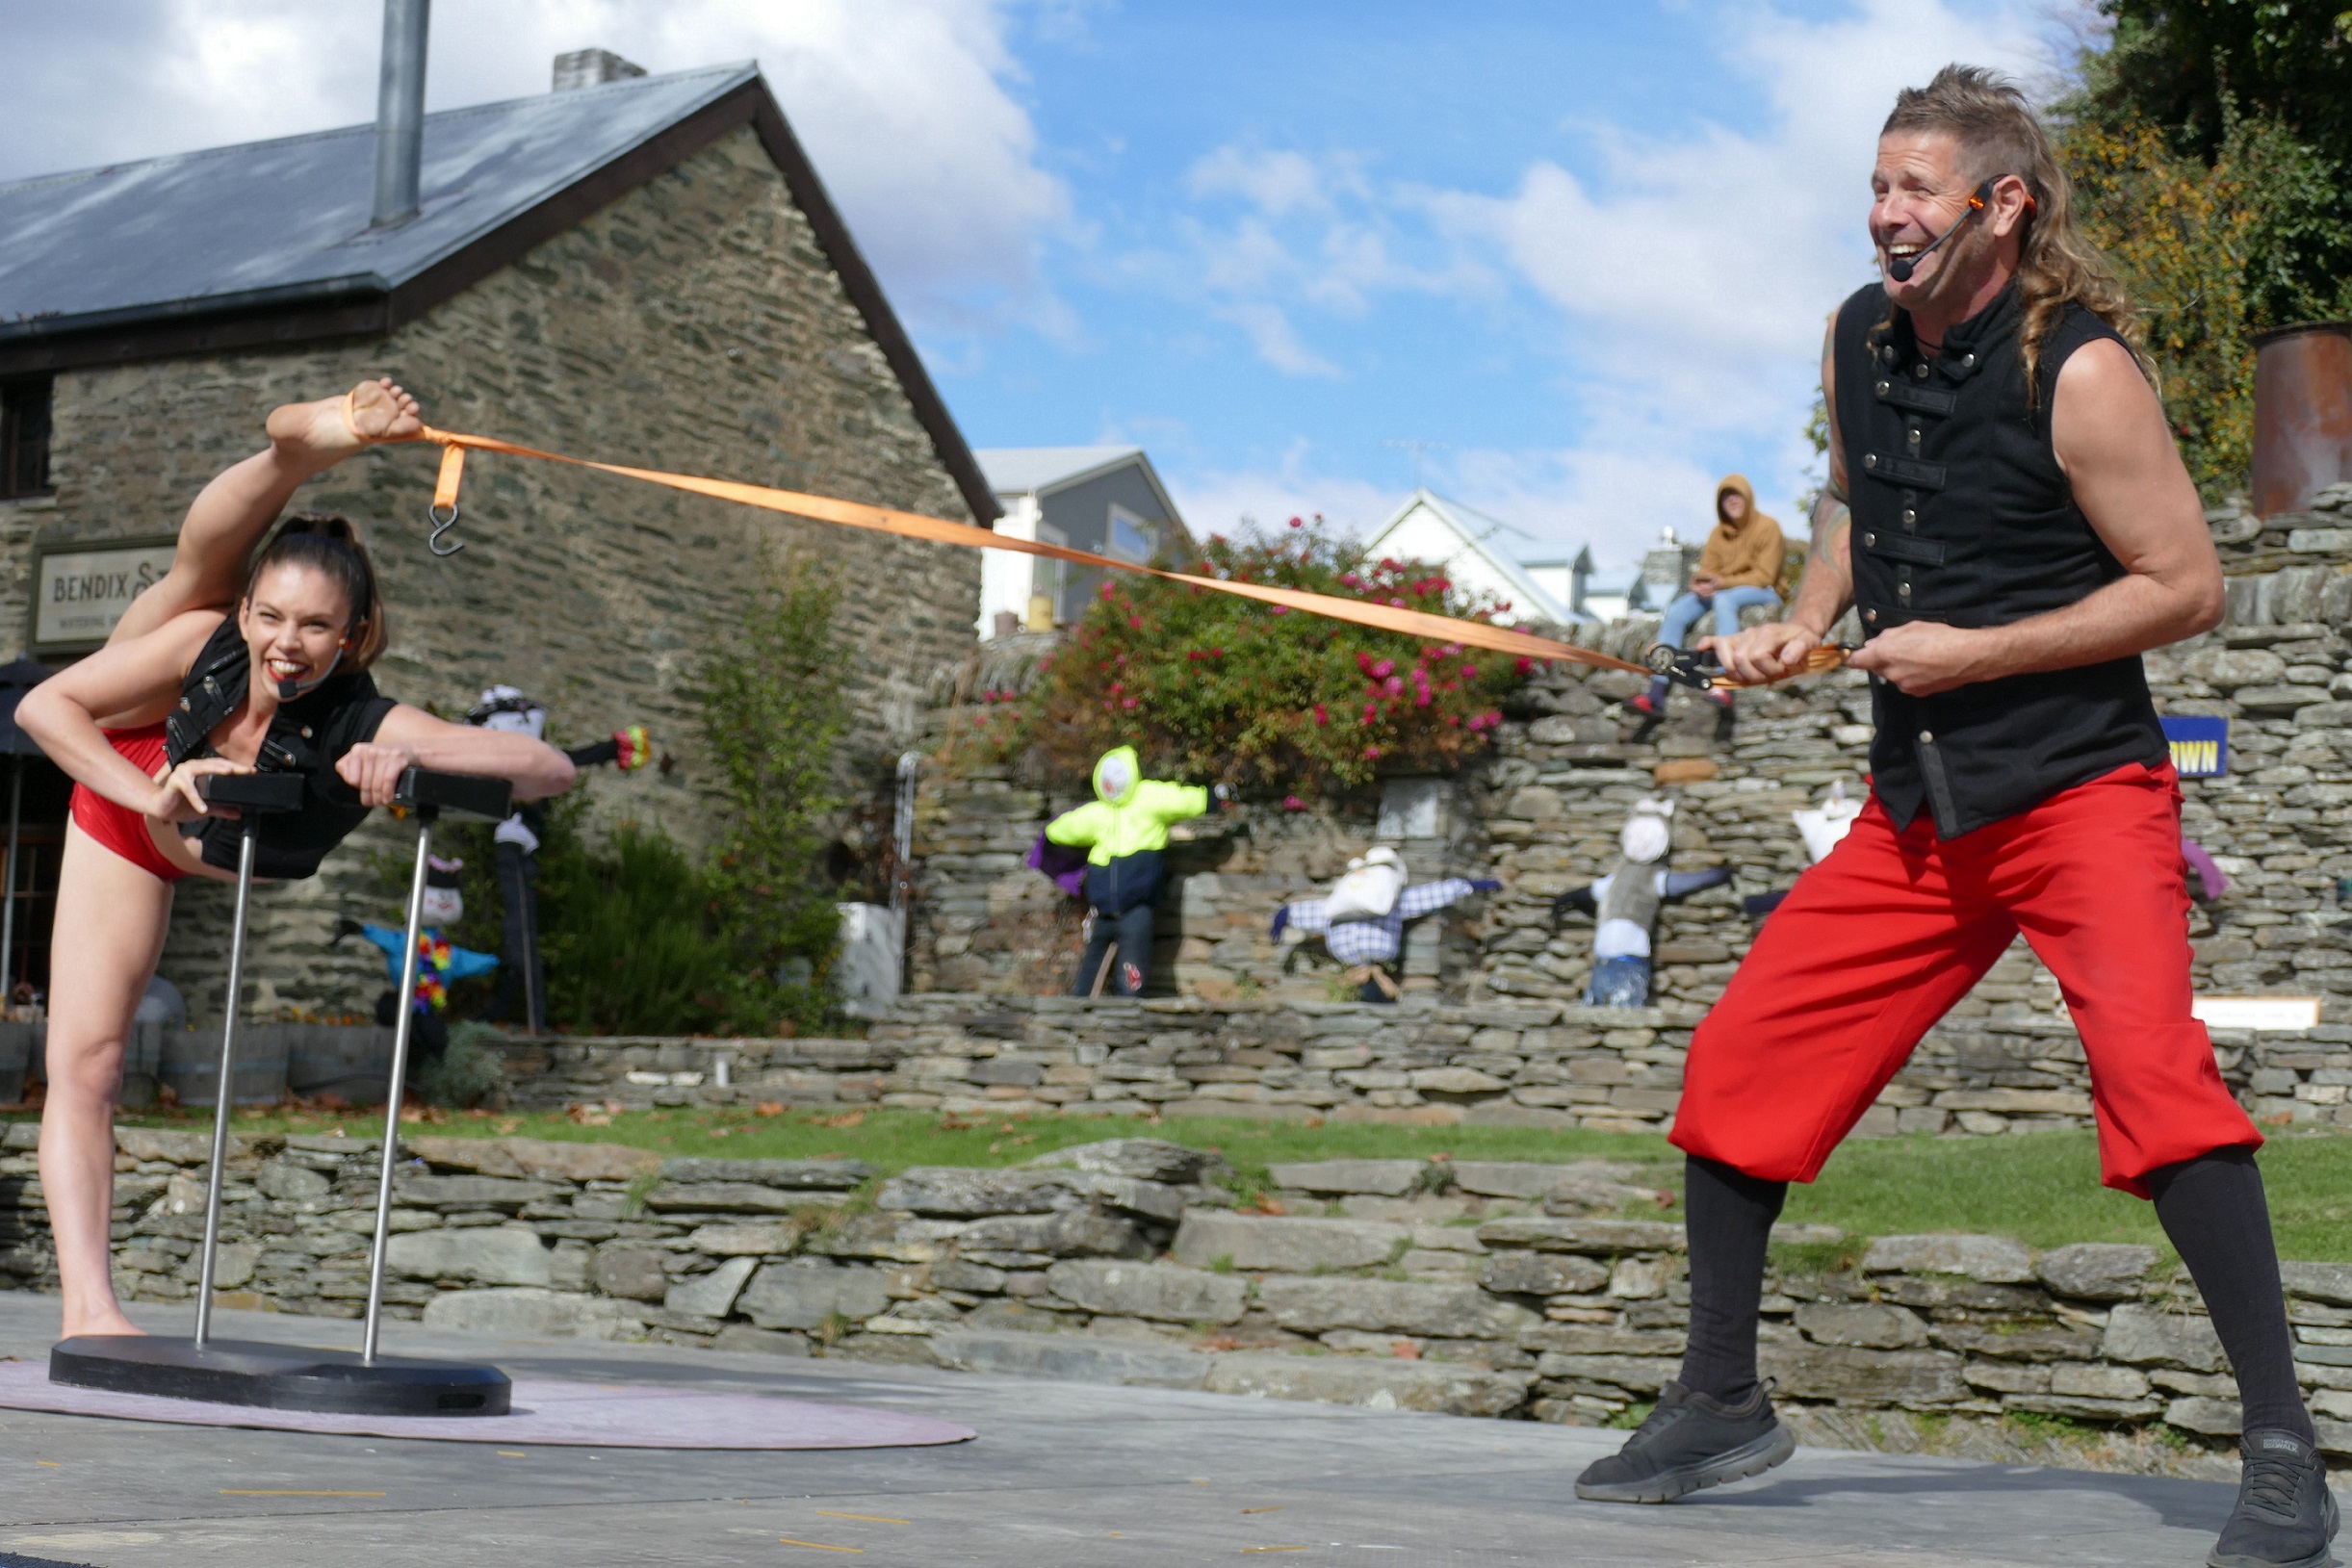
(1428, 527)
(1104, 500)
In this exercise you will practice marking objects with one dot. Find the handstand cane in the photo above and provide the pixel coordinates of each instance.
(427, 795)
(290, 1376)
(254, 795)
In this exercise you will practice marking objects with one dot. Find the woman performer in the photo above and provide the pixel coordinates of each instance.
(232, 661)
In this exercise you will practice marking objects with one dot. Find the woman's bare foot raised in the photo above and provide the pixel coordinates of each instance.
(318, 435)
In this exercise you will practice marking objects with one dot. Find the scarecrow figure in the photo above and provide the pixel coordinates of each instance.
(1361, 921)
(439, 960)
(1123, 831)
(1625, 904)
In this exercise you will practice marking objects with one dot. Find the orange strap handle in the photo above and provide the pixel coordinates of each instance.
(939, 530)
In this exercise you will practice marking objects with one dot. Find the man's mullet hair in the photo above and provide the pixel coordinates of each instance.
(1999, 134)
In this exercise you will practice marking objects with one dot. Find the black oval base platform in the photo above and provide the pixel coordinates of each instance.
(280, 1377)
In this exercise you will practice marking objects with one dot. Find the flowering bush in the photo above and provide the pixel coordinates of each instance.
(1211, 687)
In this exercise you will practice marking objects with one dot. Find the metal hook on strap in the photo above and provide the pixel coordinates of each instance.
(445, 500)
(441, 525)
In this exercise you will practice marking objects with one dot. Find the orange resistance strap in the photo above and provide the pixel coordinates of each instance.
(1419, 623)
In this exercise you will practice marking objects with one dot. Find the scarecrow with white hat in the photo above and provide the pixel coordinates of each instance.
(1625, 904)
(1363, 920)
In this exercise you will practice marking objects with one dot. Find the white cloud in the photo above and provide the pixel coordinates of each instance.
(1690, 276)
(908, 109)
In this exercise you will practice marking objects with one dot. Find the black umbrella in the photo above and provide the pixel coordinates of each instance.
(16, 677)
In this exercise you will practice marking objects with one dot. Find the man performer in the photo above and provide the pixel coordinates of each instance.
(2009, 513)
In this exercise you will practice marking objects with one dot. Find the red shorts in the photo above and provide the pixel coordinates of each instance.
(1877, 942)
(118, 826)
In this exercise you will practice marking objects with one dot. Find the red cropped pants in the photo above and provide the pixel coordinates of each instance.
(1876, 943)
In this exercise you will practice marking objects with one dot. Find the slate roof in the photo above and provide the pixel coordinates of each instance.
(1020, 471)
(268, 241)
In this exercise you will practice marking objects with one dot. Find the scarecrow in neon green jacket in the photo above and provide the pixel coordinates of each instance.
(1124, 832)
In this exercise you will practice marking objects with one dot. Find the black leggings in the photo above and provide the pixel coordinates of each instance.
(1132, 933)
(2211, 1209)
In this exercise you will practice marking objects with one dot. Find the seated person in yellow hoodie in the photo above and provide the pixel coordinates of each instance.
(1739, 565)
(1124, 832)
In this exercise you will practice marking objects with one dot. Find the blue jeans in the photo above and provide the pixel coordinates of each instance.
(1728, 602)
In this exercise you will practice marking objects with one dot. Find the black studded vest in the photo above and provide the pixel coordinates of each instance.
(1962, 515)
(309, 737)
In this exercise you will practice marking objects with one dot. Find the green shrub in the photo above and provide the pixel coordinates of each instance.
(1210, 686)
(470, 1072)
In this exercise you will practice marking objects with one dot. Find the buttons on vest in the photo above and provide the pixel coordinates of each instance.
(1888, 353)
(1883, 388)
(1870, 615)
(1910, 517)
(1919, 369)
(1912, 435)
(1870, 539)
(1870, 459)
(1902, 591)
(1926, 738)
(1968, 361)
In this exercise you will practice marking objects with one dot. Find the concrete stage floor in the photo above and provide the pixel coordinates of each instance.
(1061, 1476)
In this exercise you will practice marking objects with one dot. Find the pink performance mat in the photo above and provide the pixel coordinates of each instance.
(546, 1411)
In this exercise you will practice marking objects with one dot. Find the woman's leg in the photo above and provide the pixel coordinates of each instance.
(117, 914)
(229, 515)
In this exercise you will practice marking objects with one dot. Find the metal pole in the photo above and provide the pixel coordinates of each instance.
(223, 1099)
(399, 111)
(529, 893)
(8, 905)
(406, 1018)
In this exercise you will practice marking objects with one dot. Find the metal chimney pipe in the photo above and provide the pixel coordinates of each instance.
(2302, 414)
(400, 111)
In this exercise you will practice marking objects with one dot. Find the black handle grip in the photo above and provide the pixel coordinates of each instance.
(468, 794)
(257, 793)
(1685, 667)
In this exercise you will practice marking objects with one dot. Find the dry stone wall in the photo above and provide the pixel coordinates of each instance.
(693, 325)
(1542, 811)
(1487, 1288)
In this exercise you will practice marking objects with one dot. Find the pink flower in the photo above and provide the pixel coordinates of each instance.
(1136, 622)
(1392, 685)
(1423, 700)
(1321, 717)
(1106, 590)
(1297, 523)
(1398, 603)
(1349, 580)
(1385, 668)
(1527, 666)
(1128, 701)
(1282, 609)
(1117, 689)
(1371, 753)
(1470, 672)
(1292, 803)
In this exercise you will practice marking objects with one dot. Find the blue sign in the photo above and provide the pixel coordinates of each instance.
(2199, 745)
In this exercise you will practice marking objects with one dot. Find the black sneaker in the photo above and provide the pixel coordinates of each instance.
(2284, 1516)
(1690, 1441)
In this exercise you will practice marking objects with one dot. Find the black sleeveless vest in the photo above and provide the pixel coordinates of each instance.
(309, 737)
(1962, 515)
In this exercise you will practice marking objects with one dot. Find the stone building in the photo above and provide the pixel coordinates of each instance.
(644, 271)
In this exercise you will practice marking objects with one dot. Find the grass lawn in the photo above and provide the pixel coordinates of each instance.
(2042, 1188)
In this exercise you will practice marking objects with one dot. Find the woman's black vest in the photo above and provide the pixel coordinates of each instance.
(1962, 515)
(309, 737)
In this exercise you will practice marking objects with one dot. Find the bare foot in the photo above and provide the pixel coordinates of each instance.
(93, 1323)
(320, 434)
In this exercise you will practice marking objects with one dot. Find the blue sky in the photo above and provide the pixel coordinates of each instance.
(1586, 247)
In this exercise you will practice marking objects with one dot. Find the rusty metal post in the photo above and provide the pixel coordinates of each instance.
(2302, 414)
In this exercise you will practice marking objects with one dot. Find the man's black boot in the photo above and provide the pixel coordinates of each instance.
(1690, 1441)
(2285, 1515)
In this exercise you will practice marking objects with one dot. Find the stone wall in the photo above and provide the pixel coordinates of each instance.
(1541, 812)
(1488, 1288)
(690, 325)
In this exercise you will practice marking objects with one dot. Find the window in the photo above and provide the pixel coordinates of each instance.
(1132, 538)
(24, 437)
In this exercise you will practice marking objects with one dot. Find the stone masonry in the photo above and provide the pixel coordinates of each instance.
(1540, 813)
(1488, 1288)
(693, 325)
